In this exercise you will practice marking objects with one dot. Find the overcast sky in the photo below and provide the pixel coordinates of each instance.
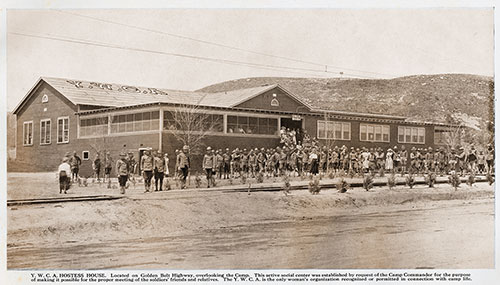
(360, 43)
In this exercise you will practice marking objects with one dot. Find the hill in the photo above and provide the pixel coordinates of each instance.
(459, 98)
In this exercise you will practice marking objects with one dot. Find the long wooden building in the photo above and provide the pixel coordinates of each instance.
(62, 115)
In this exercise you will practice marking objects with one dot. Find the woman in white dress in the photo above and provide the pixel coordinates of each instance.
(389, 160)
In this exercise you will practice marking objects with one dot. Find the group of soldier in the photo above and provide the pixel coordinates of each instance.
(290, 159)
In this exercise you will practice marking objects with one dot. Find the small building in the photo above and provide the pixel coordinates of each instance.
(58, 116)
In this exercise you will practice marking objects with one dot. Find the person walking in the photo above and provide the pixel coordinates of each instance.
(63, 172)
(147, 163)
(122, 171)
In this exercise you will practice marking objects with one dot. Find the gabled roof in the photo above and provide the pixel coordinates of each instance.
(112, 95)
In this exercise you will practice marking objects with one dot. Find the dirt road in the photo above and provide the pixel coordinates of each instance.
(443, 234)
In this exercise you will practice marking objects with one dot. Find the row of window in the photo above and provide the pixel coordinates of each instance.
(46, 131)
(369, 132)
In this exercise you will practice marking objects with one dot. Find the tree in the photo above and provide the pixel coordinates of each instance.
(191, 125)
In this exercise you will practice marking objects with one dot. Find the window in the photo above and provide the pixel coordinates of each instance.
(408, 134)
(45, 131)
(63, 130)
(374, 133)
(92, 127)
(252, 125)
(136, 122)
(45, 98)
(441, 136)
(213, 121)
(275, 102)
(85, 155)
(334, 130)
(28, 133)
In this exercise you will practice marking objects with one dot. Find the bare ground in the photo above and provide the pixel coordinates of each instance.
(400, 228)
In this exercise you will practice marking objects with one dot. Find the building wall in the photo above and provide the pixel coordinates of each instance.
(263, 102)
(44, 157)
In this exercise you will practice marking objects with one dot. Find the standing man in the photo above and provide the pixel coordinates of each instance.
(122, 170)
(147, 163)
(132, 165)
(183, 164)
(227, 164)
(96, 166)
(75, 161)
(208, 165)
(108, 164)
(159, 170)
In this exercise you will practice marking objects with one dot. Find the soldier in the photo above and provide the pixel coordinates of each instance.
(219, 158)
(122, 170)
(282, 160)
(209, 163)
(472, 159)
(461, 160)
(404, 159)
(481, 161)
(235, 163)
(261, 160)
(252, 162)
(323, 159)
(413, 160)
(108, 165)
(397, 160)
(244, 161)
(227, 164)
(75, 161)
(183, 164)
(147, 166)
(490, 157)
(96, 166)
(159, 170)
(132, 166)
(379, 156)
(365, 156)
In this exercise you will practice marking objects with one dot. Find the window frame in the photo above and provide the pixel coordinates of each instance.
(83, 155)
(45, 134)
(24, 133)
(63, 141)
(330, 126)
(374, 128)
(411, 129)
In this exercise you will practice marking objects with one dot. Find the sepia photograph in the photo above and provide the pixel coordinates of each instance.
(228, 139)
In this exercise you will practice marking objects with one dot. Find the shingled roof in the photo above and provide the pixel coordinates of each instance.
(111, 95)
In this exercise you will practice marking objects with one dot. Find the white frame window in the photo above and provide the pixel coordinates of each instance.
(45, 131)
(83, 155)
(333, 130)
(28, 133)
(409, 134)
(374, 133)
(63, 134)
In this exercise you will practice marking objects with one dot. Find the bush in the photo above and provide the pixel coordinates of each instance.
(490, 178)
(471, 179)
(314, 187)
(368, 182)
(342, 185)
(260, 177)
(286, 186)
(243, 179)
(197, 181)
(454, 180)
(331, 174)
(391, 181)
(430, 179)
(410, 180)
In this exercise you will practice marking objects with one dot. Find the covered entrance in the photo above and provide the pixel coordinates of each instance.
(294, 123)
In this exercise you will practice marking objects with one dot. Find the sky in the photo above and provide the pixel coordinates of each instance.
(188, 49)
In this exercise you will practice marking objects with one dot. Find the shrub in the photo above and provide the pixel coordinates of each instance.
(454, 180)
(430, 179)
(197, 181)
(260, 177)
(286, 186)
(471, 179)
(368, 182)
(342, 185)
(410, 180)
(490, 178)
(391, 181)
(331, 174)
(314, 187)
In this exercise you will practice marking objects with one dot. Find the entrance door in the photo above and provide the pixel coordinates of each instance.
(291, 124)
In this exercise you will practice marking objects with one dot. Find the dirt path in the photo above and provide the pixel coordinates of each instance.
(450, 234)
